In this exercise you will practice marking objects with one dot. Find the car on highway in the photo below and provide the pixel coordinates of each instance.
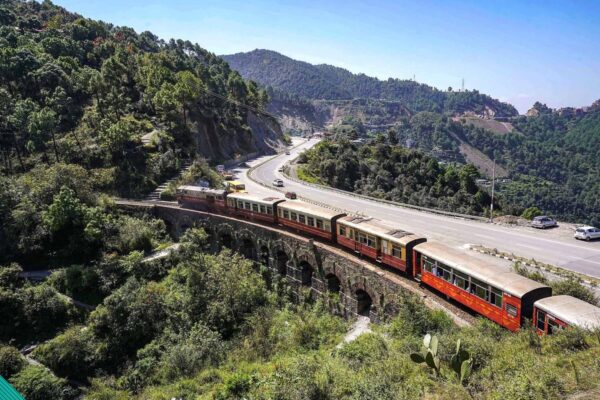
(587, 233)
(287, 152)
(543, 222)
(291, 195)
(278, 182)
(280, 169)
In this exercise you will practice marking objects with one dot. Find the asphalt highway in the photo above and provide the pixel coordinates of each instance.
(556, 246)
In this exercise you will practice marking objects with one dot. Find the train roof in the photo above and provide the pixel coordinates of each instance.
(571, 310)
(201, 189)
(306, 208)
(379, 228)
(503, 279)
(256, 199)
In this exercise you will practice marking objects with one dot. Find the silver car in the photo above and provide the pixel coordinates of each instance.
(278, 182)
(543, 222)
(587, 233)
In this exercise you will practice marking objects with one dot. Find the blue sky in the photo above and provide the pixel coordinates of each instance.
(517, 51)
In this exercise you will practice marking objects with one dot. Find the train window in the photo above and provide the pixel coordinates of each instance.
(553, 326)
(327, 226)
(301, 218)
(263, 209)
(461, 280)
(319, 223)
(479, 289)
(247, 205)
(428, 264)
(397, 251)
(444, 272)
(240, 204)
(310, 221)
(286, 214)
(255, 207)
(371, 241)
(511, 310)
(362, 238)
(496, 296)
(541, 320)
(269, 210)
(293, 216)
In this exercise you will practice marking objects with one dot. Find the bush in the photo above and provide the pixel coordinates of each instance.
(37, 383)
(11, 361)
(531, 212)
(574, 288)
(70, 354)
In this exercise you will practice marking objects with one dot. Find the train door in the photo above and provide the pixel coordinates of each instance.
(416, 264)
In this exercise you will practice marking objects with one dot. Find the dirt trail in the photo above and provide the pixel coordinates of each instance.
(360, 326)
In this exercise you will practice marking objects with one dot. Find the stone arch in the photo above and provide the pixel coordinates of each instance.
(334, 284)
(364, 303)
(225, 236)
(281, 261)
(306, 271)
(365, 298)
(246, 248)
(264, 255)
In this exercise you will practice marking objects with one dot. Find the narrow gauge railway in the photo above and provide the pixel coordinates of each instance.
(506, 298)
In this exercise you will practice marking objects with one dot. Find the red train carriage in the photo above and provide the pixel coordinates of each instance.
(557, 312)
(201, 198)
(504, 297)
(308, 218)
(252, 207)
(373, 239)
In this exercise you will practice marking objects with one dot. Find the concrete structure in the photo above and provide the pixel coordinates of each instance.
(313, 270)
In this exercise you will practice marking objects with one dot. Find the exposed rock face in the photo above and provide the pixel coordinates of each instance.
(217, 142)
(538, 109)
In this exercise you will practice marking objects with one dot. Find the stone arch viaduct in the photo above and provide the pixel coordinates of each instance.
(349, 285)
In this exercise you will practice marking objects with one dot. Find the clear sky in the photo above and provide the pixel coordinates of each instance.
(518, 51)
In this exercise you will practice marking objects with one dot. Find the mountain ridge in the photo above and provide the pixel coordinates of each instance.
(328, 82)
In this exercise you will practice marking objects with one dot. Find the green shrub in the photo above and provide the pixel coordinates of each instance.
(11, 361)
(37, 383)
(531, 212)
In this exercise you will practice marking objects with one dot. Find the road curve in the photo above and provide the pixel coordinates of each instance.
(556, 247)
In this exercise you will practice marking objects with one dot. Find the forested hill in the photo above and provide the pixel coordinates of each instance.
(327, 82)
(78, 91)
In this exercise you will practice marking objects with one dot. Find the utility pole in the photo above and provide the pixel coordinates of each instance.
(463, 85)
(493, 188)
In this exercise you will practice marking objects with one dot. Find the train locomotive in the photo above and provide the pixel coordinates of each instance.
(506, 298)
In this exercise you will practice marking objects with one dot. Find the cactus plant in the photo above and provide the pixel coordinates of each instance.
(428, 354)
(461, 363)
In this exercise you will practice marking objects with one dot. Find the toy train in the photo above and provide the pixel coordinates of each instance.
(504, 297)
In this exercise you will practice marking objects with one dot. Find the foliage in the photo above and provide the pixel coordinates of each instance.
(531, 212)
(37, 383)
(395, 173)
(553, 161)
(328, 82)
(11, 361)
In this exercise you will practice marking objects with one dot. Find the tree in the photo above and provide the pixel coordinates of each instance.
(187, 90)
(42, 125)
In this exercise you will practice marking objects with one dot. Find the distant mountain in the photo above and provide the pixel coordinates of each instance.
(327, 82)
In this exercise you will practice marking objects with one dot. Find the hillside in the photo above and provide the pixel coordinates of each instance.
(326, 82)
(78, 91)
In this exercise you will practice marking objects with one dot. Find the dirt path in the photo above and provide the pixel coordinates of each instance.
(360, 326)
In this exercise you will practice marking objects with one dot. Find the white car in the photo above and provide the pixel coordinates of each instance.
(587, 233)
(278, 183)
